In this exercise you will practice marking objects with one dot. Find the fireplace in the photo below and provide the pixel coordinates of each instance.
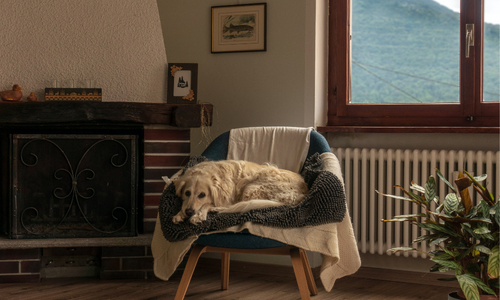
(73, 184)
(75, 141)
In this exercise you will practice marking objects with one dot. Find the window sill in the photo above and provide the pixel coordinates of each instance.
(407, 129)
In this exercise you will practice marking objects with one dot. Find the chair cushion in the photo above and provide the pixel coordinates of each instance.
(238, 240)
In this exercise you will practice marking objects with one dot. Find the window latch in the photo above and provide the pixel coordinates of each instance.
(469, 38)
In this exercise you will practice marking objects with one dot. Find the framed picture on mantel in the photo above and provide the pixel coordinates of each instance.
(182, 83)
(239, 28)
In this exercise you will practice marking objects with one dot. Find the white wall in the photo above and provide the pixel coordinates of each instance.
(272, 88)
(117, 43)
(268, 88)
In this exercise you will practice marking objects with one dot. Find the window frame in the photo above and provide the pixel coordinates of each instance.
(470, 112)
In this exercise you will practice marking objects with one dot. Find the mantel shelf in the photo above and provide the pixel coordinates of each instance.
(57, 112)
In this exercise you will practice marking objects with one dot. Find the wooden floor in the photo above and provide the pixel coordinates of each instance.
(206, 285)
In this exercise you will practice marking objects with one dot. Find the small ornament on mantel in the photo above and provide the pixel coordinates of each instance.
(32, 98)
(12, 95)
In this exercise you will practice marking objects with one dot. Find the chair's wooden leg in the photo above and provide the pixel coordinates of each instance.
(189, 270)
(225, 270)
(309, 275)
(300, 275)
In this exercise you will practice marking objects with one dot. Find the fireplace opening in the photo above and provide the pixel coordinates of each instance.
(73, 184)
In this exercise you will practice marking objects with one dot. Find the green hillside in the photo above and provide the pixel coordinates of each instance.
(407, 51)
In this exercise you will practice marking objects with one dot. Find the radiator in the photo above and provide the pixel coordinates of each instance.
(368, 170)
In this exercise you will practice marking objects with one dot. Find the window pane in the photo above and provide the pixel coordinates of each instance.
(491, 77)
(405, 51)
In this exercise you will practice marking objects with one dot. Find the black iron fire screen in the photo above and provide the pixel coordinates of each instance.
(73, 185)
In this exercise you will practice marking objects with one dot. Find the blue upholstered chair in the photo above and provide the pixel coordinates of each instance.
(244, 242)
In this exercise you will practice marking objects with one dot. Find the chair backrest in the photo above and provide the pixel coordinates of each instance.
(218, 148)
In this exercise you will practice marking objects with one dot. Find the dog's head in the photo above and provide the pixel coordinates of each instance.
(195, 191)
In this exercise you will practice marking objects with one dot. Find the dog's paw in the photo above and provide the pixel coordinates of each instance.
(196, 219)
(216, 209)
(177, 219)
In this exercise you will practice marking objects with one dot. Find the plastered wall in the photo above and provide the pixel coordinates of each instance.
(116, 43)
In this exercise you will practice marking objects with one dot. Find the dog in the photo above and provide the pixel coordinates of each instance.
(235, 186)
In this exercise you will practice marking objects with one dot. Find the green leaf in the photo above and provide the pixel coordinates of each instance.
(399, 220)
(444, 256)
(470, 231)
(417, 188)
(481, 220)
(452, 253)
(438, 241)
(484, 208)
(483, 249)
(445, 181)
(451, 204)
(425, 238)
(430, 189)
(494, 263)
(482, 230)
(401, 249)
(480, 283)
(398, 197)
(473, 212)
(448, 264)
(435, 268)
(489, 237)
(417, 198)
(435, 252)
(468, 286)
(476, 179)
(480, 178)
(439, 228)
(419, 215)
(444, 269)
(497, 212)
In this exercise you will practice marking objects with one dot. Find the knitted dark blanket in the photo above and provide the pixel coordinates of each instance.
(325, 203)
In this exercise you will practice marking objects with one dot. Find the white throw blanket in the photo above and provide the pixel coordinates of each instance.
(335, 241)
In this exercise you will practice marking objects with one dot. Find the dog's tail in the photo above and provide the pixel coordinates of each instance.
(249, 205)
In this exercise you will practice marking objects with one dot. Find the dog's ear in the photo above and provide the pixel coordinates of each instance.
(214, 193)
(220, 192)
(179, 184)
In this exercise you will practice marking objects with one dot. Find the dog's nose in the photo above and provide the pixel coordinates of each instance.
(189, 212)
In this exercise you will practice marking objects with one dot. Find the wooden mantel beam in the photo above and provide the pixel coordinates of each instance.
(178, 115)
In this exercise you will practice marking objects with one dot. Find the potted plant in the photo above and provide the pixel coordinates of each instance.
(466, 235)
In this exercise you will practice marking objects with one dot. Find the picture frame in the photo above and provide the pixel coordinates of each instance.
(182, 83)
(239, 28)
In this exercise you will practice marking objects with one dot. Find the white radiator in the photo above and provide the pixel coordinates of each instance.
(368, 170)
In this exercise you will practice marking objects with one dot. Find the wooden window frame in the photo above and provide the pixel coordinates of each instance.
(471, 113)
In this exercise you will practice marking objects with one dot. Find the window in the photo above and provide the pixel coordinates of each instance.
(406, 64)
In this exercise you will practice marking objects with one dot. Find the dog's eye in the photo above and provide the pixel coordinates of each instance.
(201, 195)
(187, 193)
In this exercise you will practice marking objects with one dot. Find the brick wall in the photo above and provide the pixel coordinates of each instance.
(165, 152)
(20, 265)
(126, 263)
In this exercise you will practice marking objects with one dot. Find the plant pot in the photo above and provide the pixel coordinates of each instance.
(455, 296)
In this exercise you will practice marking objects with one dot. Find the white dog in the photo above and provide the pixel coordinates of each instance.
(235, 186)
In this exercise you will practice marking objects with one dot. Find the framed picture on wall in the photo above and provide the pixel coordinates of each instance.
(182, 83)
(239, 28)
